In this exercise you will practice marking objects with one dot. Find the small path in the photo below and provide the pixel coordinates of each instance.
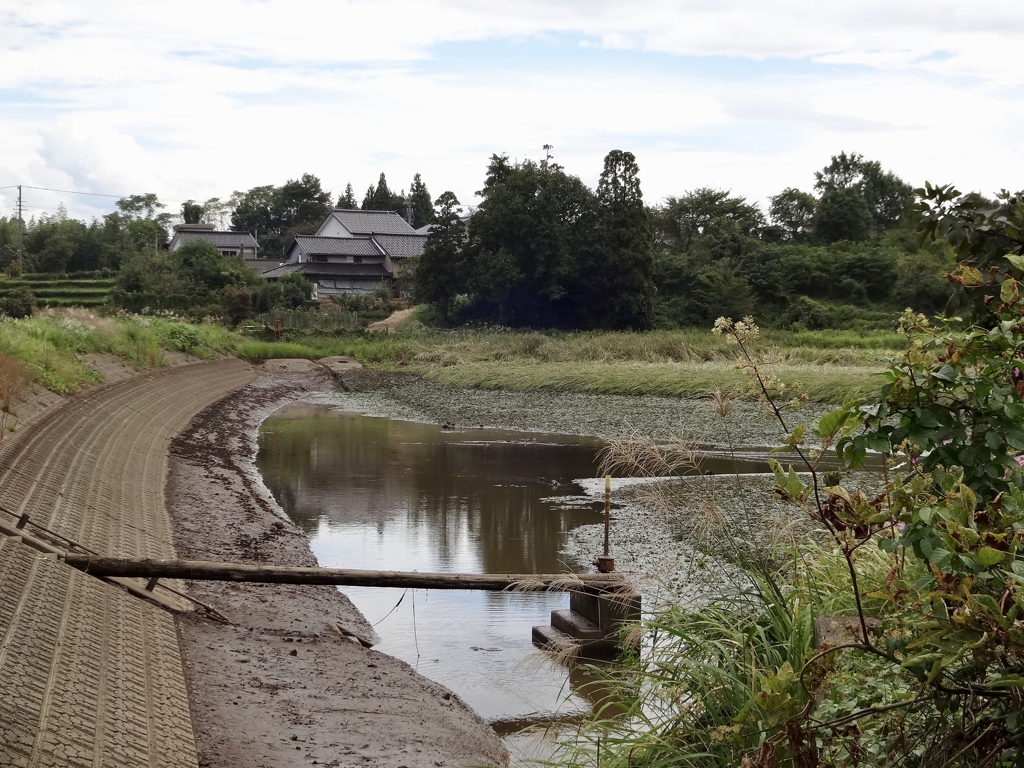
(393, 321)
(89, 675)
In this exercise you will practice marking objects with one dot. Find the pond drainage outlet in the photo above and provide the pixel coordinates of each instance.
(591, 627)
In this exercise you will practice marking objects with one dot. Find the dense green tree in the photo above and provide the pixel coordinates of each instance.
(138, 225)
(422, 210)
(793, 212)
(383, 198)
(367, 204)
(18, 303)
(196, 277)
(614, 278)
(295, 290)
(707, 213)
(843, 214)
(301, 204)
(887, 197)
(541, 219)
(275, 214)
(254, 212)
(493, 278)
(191, 212)
(348, 200)
(441, 273)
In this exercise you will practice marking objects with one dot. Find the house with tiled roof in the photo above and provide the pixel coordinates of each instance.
(353, 252)
(238, 244)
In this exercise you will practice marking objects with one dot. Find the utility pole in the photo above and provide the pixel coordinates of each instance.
(21, 225)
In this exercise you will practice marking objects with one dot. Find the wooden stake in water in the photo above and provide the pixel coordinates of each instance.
(606, 563)
(607, 510)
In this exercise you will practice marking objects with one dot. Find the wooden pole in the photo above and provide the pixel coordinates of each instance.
(206, 570)
(607, 511)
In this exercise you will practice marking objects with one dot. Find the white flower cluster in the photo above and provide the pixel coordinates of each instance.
(741, 331)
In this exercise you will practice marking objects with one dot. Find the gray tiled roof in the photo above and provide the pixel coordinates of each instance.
(262, 265)
(218, 239)
(335, 246)
(316, 269)
(372, 222)
(401, 246)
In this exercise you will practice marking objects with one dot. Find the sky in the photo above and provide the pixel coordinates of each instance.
(193, 100)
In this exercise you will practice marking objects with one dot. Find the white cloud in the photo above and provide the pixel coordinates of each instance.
(195, 99)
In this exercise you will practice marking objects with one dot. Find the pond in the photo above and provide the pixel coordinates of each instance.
(385, 494)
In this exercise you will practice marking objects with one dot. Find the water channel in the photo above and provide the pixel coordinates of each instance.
(385, 494)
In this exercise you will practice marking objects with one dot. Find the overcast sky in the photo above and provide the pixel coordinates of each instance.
(197, 99)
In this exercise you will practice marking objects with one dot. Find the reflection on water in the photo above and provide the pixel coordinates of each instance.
(393, 495)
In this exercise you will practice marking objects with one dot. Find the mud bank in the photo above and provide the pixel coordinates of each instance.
(281, 685)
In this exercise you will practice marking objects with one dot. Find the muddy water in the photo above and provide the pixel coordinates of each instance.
(395, 495)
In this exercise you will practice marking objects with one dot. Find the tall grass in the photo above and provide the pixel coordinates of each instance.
(705, 692)
(53, 346)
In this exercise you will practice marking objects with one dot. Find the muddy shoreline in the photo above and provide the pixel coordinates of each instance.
(281, 685)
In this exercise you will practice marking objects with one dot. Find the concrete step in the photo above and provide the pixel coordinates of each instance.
(574, 625)
(550, 639)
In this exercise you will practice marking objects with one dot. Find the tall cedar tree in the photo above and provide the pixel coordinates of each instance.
(419, 201)
(348, 200)
(440, 272)
(618, 289)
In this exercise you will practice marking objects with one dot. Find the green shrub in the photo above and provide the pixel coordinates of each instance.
(18, 303)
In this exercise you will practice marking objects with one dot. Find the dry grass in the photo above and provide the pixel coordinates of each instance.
(14, 379)
(726, 516)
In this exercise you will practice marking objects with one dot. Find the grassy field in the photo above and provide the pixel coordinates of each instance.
(825, 367)
(820, 366)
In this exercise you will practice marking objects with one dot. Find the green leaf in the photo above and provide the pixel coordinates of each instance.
(1016, 261)
(989, 556)
(831, 423)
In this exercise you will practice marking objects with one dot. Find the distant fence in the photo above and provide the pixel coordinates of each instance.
(306, 320)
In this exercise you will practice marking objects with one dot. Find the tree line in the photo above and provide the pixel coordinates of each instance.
(543, 250)
(141, 223)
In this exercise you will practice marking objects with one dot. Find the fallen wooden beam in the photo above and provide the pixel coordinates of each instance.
(207, 570)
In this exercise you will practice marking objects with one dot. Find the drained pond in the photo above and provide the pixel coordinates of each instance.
(384, 494)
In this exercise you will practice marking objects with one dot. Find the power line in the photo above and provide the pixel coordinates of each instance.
(72, 192)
